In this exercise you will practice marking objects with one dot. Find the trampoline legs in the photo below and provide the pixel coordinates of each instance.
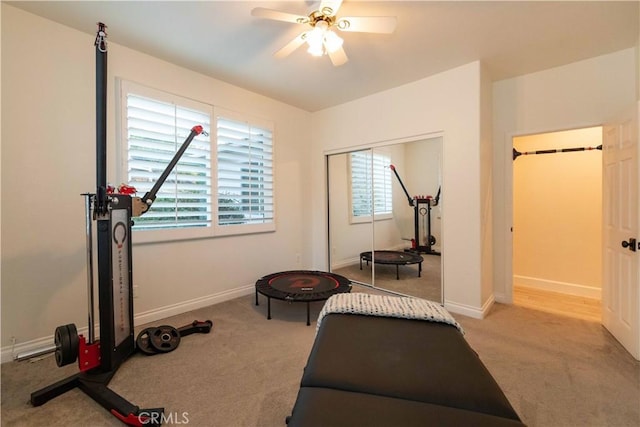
(268, 306)
(308, 322)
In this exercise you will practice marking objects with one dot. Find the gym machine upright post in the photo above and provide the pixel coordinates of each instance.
(423, 240)
(98, 360)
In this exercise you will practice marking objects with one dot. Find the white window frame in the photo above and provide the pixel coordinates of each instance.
(376, 165)
(185, 233)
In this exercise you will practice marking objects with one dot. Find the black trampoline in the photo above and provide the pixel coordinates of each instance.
(394, 258)
(301, 286)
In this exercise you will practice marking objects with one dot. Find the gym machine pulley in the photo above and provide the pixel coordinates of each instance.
(112, 210)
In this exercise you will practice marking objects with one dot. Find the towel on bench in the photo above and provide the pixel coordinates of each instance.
(387, 306)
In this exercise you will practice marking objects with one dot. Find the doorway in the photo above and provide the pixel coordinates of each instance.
(557, 222)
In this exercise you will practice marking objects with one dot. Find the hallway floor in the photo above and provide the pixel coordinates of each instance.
(558, 303)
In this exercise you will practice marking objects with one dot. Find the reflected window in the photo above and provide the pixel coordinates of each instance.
(371, 189)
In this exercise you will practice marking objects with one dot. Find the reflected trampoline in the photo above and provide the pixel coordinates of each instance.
(394, 258)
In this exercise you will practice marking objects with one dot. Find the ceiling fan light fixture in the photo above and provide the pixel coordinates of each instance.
(315, 39)
(332, 42)
(322, 38)
(316, 49)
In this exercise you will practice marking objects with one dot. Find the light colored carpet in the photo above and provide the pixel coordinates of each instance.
(427, 286)
(556, 371)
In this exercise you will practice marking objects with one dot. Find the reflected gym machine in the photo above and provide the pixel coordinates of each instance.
(423, 241)
(98, 360)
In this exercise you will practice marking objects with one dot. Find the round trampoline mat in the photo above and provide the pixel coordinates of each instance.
(302, 285)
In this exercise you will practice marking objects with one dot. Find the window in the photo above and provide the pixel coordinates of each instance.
(229, 193)
(371, 189)
(245, 174)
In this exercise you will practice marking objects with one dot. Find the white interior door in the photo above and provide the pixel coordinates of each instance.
(621, 275)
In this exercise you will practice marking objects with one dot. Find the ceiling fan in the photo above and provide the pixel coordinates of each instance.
(321, 37)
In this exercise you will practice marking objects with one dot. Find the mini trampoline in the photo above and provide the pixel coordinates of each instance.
(394, 258)
(301, 286)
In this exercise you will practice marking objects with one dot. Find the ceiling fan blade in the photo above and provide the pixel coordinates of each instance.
(330, 7)
(367, 24)
(338, 57)
(276, 15)
(291, 46)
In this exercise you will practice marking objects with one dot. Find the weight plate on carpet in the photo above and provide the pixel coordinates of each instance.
(143, 342)
(164, 339)
(66, 341)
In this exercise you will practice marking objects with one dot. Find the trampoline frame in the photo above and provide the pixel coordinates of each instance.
(263, 286)
(369, 256)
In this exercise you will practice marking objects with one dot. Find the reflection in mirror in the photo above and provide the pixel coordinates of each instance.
(350, 225)
(412, 233)
(405, 230)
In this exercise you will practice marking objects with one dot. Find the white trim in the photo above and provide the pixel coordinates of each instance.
(470, 311)
(556, 286)
(384, 143)
(9, 353)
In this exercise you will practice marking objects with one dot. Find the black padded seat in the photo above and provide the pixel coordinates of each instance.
(321, 407)
(411, 360)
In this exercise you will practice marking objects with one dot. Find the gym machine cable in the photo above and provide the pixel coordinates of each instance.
(98, 360)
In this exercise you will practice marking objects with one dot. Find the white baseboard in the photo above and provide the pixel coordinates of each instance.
(560, 287)
(470, 311)
(345, 263)
(9, 353)
(194, 304)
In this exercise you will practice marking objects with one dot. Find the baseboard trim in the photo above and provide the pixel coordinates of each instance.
(10, 353)
(560, 287)
(345, 263)
(470, 311)
(193, 304)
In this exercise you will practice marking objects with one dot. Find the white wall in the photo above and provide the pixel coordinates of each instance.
(447, 102)
(48, 109)
(581, 94)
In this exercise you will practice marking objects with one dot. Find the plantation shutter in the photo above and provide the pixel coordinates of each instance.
(382, 195)
(245, 173)
(370, 185)
(155, 131)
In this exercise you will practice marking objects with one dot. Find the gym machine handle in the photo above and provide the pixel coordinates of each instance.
(150, 196)
(409, 198)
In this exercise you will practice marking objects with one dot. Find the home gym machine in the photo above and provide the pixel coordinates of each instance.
(98, 360)
(423, 241)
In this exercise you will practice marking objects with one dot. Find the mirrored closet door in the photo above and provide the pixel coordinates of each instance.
(385, 217)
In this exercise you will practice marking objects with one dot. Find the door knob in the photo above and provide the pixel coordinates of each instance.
(631, 244)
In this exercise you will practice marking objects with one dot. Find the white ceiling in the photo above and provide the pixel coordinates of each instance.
(221, 39)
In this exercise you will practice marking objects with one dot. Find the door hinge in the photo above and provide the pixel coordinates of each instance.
(631, 244)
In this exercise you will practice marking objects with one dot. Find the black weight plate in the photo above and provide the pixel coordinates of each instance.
(143, 342)
(58, 342)
(66, 340)
(74, 342)
(165, 338)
